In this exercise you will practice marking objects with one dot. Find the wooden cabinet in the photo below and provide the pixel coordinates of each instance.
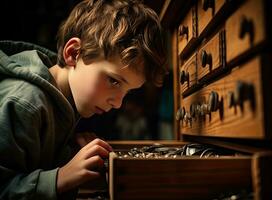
(228, 100)
(222, 67)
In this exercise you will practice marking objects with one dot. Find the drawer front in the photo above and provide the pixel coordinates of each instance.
(230, 107)
(210, 56)
(245, 28)
(206, 9)
(187, 31)
(188, 75)
(179, 178)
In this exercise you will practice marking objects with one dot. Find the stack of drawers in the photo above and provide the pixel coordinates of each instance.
(223, 70)
(222, 58)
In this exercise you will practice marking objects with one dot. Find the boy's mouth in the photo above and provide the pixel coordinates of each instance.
(99, 110)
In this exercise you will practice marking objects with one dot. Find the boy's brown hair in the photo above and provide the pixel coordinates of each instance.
(117, 27)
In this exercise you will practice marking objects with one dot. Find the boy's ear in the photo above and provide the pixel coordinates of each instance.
(71, 51)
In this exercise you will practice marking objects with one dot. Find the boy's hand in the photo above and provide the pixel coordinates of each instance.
(85, 165)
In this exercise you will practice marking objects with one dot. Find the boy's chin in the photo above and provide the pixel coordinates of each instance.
(86, 114)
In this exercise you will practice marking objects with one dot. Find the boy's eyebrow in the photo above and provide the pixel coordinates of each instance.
(118, 77)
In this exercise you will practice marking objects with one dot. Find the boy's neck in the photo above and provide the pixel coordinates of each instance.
(60, 75)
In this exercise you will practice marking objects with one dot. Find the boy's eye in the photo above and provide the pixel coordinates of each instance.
(114, 82)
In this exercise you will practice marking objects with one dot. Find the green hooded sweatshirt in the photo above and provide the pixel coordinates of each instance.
(36, 123)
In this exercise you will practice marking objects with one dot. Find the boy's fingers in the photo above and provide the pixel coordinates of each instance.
(94, 163)
(96, 150)
(99, 142)
(92, 175)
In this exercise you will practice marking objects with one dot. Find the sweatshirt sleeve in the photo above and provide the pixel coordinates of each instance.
(20, 153)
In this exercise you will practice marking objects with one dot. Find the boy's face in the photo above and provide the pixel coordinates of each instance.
(101, 85)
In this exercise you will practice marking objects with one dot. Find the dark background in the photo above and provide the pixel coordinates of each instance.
(149, 108)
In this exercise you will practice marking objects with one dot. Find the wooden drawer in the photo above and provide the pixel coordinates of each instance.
(206, 10)
(230, 107)
(188, 74)
(187, 32)
(210, 56)
(245, 28)
(184, 178)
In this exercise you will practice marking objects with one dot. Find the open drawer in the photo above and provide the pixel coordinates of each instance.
(184, 177)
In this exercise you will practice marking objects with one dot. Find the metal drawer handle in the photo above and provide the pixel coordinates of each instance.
(184, 76)
(206, 59)
(206, 4)
(183, 30)
(180, 114)
(206, 108)
(243, 91)
(246, 27)
(213, 101)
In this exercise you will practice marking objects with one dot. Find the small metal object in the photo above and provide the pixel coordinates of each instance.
(231, 101)
(193, 110)
(184, 76)
(149, 155)
(183, 30)
(213, 101)
(206, 4)
(239, 93)
(180, 114)
(246, 27)
(206, 59)
(204, 109)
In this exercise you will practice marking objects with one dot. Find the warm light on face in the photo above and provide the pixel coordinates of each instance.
(101, 85)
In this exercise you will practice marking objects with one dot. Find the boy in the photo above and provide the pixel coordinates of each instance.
(105, 49)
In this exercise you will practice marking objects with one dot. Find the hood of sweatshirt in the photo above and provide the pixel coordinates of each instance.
(31, 63)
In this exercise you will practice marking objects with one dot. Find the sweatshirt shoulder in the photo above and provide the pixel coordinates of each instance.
(24, 92)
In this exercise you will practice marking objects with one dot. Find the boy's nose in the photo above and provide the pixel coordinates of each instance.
(117, 101)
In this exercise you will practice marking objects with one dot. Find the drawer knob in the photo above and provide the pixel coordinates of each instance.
(246, 27)
(231, 101)
(206, 4)
(193, 110)
(239, 94)
(204, 109)
(213, 101)
(184, 76)
(183, 30)
(206, 59)
(244, 91)
(180, 114)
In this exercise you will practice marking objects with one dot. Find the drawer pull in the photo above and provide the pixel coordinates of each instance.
(206, 4)
(206, 59)
(204, 109)
(231, 101)
(243, 91)
(183, 30)
(246, 27)
(184, 76)
(213, 101)
(193, 110)
(180, 114)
